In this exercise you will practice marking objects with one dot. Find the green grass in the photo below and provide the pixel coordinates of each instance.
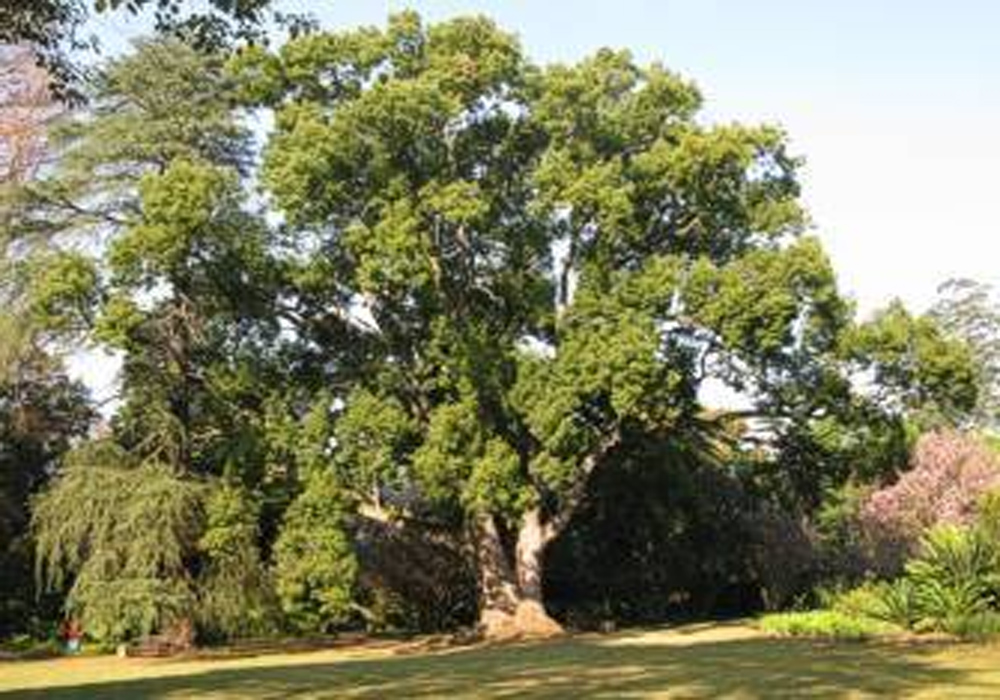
(727, 661)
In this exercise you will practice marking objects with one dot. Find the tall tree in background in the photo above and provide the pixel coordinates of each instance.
(968, 310)
(174, 275)
(146, 243)
(52, 29)
(49, 28)
(41, 410)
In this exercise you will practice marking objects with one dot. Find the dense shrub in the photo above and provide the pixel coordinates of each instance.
(826, 624)
(900, 603)
(954, 576)
(783, 556)
(842, 547)
(412, 577)
(978, 627)
(863, 601)
(315, 568)
(120, 537)
(236, 596)
(951, 585)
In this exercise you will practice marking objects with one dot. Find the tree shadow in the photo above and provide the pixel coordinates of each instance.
(590, 668)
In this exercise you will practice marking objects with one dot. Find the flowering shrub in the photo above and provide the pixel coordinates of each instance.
(950, 474)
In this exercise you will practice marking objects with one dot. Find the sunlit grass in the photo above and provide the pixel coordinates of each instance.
(729, 661)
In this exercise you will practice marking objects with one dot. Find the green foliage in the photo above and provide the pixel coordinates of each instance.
(180, 218)
(951, 585)
(164, 101)
(235, 594)
(61, 290)
(187, 289)
(901, 603)
(41, 413)
(314, 565)
(916, 364)
(953, 579)
(977, 627)
(955, 575)
(52, 27)
(119, 536)
(895, 602)
(372, 437)
(459, 463)
(753, 302)
(987, 516)
(967, 311)
(862, 601)
(825, 624)
(841, 542)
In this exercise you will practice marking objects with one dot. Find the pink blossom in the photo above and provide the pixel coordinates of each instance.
(950, 473)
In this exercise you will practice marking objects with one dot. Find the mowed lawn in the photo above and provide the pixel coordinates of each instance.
(727, 661)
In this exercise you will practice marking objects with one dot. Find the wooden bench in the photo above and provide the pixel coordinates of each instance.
(175, 640)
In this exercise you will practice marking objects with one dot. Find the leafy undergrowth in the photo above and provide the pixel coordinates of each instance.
(827, 624)
(976, 627)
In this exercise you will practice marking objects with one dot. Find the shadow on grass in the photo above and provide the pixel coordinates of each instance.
(576, 667)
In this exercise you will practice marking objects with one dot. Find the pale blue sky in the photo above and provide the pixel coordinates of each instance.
(895, 106)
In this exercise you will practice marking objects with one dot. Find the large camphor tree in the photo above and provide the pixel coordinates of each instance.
(537, 264)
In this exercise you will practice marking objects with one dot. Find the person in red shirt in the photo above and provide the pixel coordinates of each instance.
(72, 632)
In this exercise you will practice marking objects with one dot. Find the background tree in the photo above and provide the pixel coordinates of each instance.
(916, 368)
(52, 29)
(967, 310)
(170, 268)
(41, 412)
(235, 593)
(118, 534)
(315, 566)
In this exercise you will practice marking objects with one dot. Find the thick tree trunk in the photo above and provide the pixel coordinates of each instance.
(512, 604)
(511, 586)
(497, 585)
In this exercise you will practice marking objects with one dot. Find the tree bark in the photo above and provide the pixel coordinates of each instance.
(511, 583)
(511, 587)
(497, 585)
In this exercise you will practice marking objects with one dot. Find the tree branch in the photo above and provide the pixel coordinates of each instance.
(571, 502)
